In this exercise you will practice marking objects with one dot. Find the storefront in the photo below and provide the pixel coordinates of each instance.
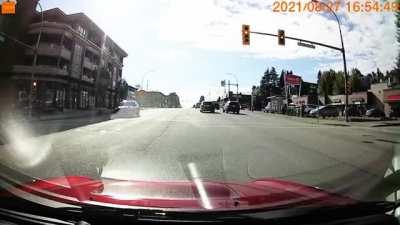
(392, 97)
(304, 100)
(357, 98)
(358, 103)
(52, 96)
(48, 95)
(277, 104)
(86, 97)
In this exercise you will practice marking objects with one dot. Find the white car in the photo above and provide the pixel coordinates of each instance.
(127, 109)
(268, 108)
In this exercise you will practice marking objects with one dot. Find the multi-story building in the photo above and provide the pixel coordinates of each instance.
(157, 99)
(78, 65)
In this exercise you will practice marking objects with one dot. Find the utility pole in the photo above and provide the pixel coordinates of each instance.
(237, 85)
(229, 90)
(34, 63)
(346, 76)
(237, 91)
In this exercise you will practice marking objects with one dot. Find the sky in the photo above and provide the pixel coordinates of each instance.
(189, 46)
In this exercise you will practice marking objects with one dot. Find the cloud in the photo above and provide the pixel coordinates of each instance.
(370, 39)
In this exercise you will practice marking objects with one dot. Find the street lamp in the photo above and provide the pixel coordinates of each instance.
(144, 75)
(344, 58)
(34, 63)
(237, 85)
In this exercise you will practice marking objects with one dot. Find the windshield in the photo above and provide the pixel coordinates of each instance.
(103, 100)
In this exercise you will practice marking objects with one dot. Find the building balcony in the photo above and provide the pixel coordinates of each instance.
(41, 69)
(88, 79)
(49, 49)
(51, 28)
(89, 64)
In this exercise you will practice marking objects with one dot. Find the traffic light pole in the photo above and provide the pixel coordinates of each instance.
(346, 76)
(342, 50)
(34, 62)
(301, 40)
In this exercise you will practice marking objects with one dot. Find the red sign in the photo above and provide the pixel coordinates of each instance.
(292, 80)
(393, 98)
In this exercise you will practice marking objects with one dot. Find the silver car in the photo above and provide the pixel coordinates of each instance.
(325, 111)
(127, 109)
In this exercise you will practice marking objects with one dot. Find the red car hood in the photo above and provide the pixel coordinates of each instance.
(189, 195)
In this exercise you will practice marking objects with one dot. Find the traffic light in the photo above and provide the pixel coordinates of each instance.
(246, 34)
(281, 37)
(348, 87)
(34, 88)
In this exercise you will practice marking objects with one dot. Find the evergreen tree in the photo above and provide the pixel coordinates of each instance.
(338, 85)
(273, 77)
(281, 83)
(380, 75)
(355, 79)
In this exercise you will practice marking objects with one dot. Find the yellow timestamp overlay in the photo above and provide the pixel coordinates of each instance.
(351, 6)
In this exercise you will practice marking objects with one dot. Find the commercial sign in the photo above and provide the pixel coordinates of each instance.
(292, 80)
(391, 95)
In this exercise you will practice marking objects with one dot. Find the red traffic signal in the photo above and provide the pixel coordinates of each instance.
(246, 34)
(281, 37)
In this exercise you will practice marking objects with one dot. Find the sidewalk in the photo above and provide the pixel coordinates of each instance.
(73, 114)
(364, 122)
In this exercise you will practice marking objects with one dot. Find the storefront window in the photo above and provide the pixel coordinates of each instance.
(84, 100)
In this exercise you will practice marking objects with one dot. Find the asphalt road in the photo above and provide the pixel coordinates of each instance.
(162, 142)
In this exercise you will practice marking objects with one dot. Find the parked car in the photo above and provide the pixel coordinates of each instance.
(375, 112)
(207, 107)
(231, 106)
(355, 110)
(308, 108)
(394, 113)
(268, 108)
(325, 111)
(127, 109)
(216, 105)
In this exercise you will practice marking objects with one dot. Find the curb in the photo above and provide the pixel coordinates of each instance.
(70, 118)
(333, 122)
(386, 125)
(91, 115)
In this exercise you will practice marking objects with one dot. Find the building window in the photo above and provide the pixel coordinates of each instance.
(84, 100)
(82, 31)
